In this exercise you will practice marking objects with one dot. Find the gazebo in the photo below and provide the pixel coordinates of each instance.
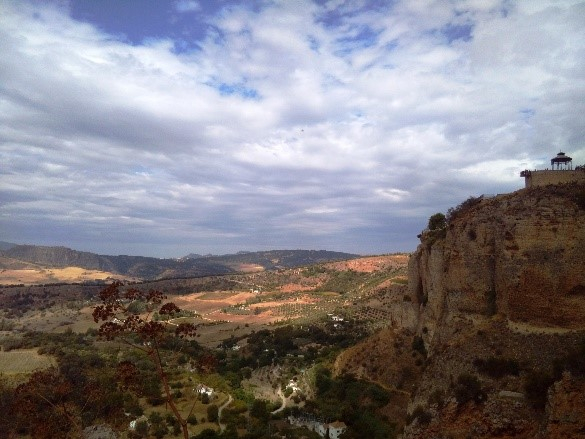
(561, 161)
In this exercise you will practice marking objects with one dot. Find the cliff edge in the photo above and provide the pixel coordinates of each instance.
(519, 255)
(500, 298)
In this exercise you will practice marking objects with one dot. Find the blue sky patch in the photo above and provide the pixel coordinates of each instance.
(455, 32)
(237, 89)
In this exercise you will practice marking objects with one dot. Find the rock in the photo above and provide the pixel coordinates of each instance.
(519, 255)
(505, 280)
(565, 409)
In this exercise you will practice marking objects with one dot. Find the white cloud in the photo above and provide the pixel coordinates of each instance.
(289, 121)
(392, 194)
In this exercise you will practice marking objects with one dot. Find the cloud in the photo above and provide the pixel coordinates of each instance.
(341, 125)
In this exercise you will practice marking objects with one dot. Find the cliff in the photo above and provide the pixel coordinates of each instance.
(500, 294)
(519, 255)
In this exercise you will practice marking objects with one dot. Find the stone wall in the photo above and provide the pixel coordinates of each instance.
(546, 177)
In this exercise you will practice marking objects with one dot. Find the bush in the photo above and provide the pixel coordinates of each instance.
(437, 222)
(491, 302)
(573, 361)
(437, 397)
(453, 213)
(579, 198)
(468, 388)
(212, 413)
(159, 431)
(208, 433)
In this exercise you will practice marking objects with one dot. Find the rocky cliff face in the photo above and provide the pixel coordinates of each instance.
(520, 255)
(504, 283)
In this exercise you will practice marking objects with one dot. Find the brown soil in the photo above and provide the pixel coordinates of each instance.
(292, 287)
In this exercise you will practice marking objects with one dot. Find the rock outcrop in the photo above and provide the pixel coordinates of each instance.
(520, 255)
(500, 293)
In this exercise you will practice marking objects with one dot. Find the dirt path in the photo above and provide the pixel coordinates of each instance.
(283, 406)
(220, 410)
(525, 328)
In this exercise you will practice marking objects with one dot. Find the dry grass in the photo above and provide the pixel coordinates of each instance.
(52, 275)
(23, 361)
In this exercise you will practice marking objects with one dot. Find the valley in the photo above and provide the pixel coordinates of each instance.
(479, 331)
(261, 335)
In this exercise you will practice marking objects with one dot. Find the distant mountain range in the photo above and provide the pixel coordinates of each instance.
(154, 268)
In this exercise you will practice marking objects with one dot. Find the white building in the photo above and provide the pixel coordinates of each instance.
(202, 389)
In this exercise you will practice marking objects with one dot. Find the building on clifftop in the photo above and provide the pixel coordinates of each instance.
(561, 172)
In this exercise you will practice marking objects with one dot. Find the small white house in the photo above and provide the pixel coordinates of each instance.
(292, 384)
(202, 389)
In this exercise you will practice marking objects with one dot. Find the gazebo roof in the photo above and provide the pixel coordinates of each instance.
(561, 158)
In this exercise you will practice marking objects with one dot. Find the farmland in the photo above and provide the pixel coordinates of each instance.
(261, 336)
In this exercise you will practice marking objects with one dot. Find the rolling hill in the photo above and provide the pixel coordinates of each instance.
(149, 268)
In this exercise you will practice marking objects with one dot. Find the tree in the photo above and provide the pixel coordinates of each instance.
(212, 413)
(44, 408)
(118, 314)
(259, 410)
(437, 222)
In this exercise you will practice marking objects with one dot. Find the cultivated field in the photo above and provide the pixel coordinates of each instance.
(262, 299)
(32, 276)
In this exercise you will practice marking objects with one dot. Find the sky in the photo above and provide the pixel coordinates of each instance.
(167, 127)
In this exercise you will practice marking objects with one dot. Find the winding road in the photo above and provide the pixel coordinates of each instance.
(283, 406)
(220, 410)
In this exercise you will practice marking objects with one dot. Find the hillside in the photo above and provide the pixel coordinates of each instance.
(488, 340)
(479, 333)
(259, 297)
(148, 268)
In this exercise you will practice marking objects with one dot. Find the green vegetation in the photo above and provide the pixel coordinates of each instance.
(418, 345)
(491, 302)
(343, 281)
(465, 206)
(437, 222)
(580, 198)
(537, 382)
(536, 386)
(437, 397)
(355, 401)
